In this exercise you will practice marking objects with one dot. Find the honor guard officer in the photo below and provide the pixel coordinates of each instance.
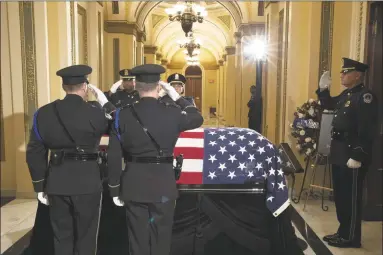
(178, 81)
(69, 182)
(353, 128)
(146, 133)
(126, 94)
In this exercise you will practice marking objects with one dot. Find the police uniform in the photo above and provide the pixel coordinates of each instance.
(70, 129)
(123, 97)
(355, 118)
(174, 79)
(148, 185)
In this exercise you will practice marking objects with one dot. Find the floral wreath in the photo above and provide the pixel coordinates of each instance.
(305, 127)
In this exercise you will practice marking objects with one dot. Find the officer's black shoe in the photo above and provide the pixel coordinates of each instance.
(330, 237)
(343, 243)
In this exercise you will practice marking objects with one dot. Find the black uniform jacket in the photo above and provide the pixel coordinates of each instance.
(354, 123)
(122, 98)
(167, 100)
(86, 123)
(144, 182)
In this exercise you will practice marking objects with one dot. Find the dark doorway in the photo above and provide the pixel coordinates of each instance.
(193, 87)
(373, 57)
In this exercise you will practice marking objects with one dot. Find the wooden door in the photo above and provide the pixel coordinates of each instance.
(373, 193)
(194, 89)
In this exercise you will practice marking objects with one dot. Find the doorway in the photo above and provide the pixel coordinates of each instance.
(193, 86)
(373, 57)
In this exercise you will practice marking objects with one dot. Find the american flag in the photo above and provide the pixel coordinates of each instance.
(233, 156)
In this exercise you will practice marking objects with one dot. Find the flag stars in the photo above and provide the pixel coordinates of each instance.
(250, 133)
(241, 166)
(232, 143)
(241, 137)
(212, 158)
(279, 160)
(250, 174)
(270, 145)
(212, 175)
(265, 175)
(272, 171)
(261, 150)
(232, 158)
(232, 174)
(242, 149)
(251, 143)
(280, 172)
(260, 138)
(251, 158)
(222, 149)
(270, 199)
(288, 164)
(259, 166)
(231, 133)
(212, 143)
(222, 166)
(212, 133)
(281, 185)
(269, 160)
(222, 137)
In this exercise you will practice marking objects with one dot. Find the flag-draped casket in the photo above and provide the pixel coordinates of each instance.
(235, 156)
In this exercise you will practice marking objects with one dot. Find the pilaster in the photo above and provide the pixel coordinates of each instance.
(230, 77)
(150, 54)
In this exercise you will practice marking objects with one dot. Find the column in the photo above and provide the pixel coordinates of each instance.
(140, 48)
(150, 54)
(221, 89)
(158, 58)
(230, 87)
(238, 80)
(92, 42)
(164, 63)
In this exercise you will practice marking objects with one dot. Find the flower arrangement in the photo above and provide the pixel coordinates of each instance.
(305, 127)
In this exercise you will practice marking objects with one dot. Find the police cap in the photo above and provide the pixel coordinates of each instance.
(176, 78)
(148, 73)
(76, 74)
(126, 74)
(350, 65)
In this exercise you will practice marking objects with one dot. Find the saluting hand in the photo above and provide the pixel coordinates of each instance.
(353, 164)
(100, 96)
(115, 86)
(42, 197)
(117, 201)
(325, 80)
(170, 90)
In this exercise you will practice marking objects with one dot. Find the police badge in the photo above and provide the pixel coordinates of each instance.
(367, 98)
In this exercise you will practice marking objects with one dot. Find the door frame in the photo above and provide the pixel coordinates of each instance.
(203, 75)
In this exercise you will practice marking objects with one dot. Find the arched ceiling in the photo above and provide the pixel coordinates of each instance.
(178, 58)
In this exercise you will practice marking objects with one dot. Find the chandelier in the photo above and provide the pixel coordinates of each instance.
(187, 15)
(192, 61)
(191, 45)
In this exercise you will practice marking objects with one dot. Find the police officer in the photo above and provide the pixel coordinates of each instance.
(255, 109)
(69, 182)
(146, 133)
(126, 93)
(178, 81)
(352, 135)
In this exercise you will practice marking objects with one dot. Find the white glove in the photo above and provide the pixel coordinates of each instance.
(162, 92)
(170, 90)
(353, 163)
(100, 96)
(42, 197)
(115, 86)
(325, 80)
(117, 201)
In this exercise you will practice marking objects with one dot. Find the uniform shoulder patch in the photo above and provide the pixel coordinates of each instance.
(367, 98)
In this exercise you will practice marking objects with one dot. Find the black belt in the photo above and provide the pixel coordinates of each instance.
(77, 156)
(150, 160)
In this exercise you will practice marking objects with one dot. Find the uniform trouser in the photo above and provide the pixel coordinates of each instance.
(348, 189)
(150, 227)
(75, 222)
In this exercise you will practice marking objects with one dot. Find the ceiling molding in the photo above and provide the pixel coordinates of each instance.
(149, 49)
(121, 27)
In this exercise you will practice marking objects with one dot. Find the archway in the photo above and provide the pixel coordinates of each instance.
(193, 86)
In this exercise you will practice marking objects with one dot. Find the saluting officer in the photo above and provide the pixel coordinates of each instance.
(69, 182)
(178, 81)
(352, 134)
(146, 133)
(125, 92)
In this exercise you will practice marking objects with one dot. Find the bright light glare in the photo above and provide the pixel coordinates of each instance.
(257, 48)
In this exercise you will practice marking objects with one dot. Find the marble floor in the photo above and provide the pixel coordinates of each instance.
(17, 219)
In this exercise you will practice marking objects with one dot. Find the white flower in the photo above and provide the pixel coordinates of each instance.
(308, 151)
(291, 125)
(302, 132)
(311, 111)
(308, 139)
(311, 100)
(298, 147)
(300, 115)
(318, 102)
(315, 146)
